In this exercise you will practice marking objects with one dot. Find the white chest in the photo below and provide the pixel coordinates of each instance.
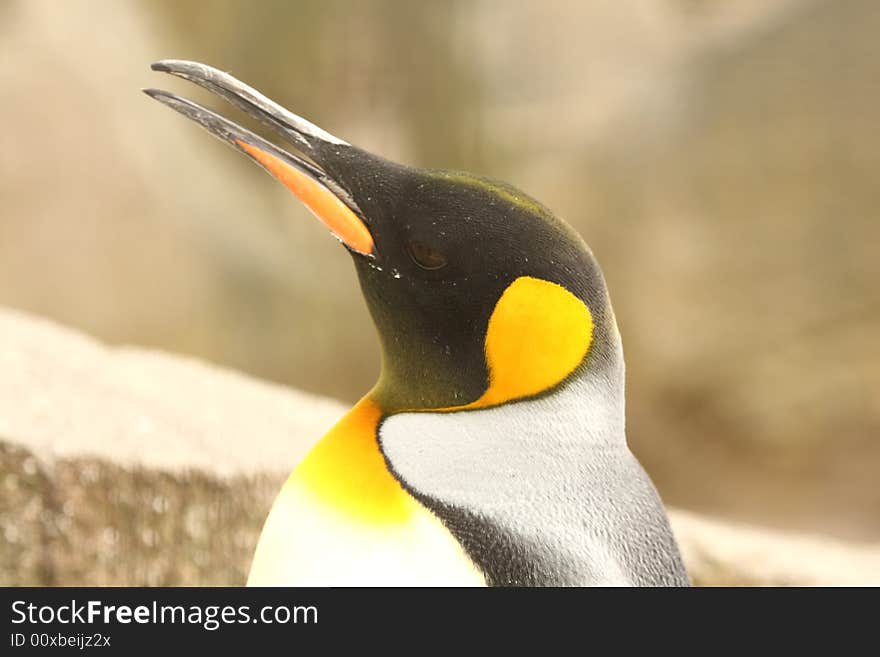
(307, 543)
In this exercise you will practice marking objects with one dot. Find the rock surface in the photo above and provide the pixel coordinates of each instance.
(122, 466)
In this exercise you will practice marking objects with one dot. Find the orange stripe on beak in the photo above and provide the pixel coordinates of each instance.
(323, 203)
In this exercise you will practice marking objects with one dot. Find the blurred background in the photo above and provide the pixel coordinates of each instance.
(721, 158)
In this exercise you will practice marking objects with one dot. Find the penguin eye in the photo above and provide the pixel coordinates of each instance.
(425, 256)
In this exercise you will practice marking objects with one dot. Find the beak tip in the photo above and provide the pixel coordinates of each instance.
(161, 66)
(155, 94)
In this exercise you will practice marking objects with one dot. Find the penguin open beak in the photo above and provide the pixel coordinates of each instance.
(324, 196)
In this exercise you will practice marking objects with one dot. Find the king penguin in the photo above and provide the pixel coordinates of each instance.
(492, 450)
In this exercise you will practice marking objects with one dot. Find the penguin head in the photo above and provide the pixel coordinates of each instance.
(480, 295)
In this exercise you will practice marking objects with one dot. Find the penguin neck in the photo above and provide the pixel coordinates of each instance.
(595, 394)
(592, 399)
(424, 381)
(591, 403)
(586, 410)
(529, 487)
(540, 336)
(535, 447)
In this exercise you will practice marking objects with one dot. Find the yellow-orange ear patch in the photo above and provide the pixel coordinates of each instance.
(323, 203)
(538, 333)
